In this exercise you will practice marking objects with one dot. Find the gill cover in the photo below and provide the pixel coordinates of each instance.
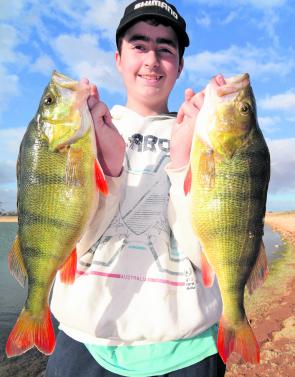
(235, 116)
(63, 111)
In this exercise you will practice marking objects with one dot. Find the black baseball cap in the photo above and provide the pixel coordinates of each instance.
(159, 9)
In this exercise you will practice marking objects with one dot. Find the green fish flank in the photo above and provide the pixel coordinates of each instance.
(57, 193)
(53, 208)
(228, 198)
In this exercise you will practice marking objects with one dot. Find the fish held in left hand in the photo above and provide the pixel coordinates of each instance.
(59, 179)
(228, 181)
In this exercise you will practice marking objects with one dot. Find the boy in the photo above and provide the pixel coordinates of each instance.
(138, 306)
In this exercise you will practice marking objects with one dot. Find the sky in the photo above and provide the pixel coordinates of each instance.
(77, 38)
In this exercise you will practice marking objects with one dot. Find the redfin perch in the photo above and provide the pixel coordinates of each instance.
(58, 177)
(228, 180)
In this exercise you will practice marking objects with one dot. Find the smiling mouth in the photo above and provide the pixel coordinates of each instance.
(151, 77)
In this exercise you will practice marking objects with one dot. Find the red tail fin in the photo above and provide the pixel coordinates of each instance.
(29, 332)
(240, 340)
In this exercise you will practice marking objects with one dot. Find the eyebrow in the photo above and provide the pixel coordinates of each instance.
(140, 37)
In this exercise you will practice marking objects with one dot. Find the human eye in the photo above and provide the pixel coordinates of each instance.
(166, 50)
(139, 47)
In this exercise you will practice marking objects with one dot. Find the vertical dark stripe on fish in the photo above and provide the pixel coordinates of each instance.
(28, 218)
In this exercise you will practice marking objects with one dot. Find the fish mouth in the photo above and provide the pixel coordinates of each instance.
(233, 84)
(238, 81)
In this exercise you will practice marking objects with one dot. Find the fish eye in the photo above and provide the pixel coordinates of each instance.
(48, 100)
(245, 108)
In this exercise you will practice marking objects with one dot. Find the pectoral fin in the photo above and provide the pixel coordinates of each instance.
(208, 273)
(68, 270)
(259, 271)
(101, 182)
(16, 264)
(74, 174)
(207, 169)
(188, 181)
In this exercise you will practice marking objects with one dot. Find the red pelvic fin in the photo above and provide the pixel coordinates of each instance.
(208, 273)
(29, 332)
(68, 270)
(188, 181)
(101, 183)
(240, 339)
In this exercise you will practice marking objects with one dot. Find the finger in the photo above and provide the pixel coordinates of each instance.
(188, 94)
(108, 118)
(84, 80)
(198, 99)
(180, 116)
(101, 114)
(94, 91)
(219, 79)
(188, 109)
(94, 96)
(92, 101)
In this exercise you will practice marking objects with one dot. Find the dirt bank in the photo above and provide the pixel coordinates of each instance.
(271, 311)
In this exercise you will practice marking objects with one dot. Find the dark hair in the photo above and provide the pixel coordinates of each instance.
(154, 21)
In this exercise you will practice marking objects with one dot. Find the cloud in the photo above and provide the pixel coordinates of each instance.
(8, 199)
(11, 9)
(9, 40)
(260, 63)
(268, 24)
(204, 20)
(105, 20)
(284, 102)
(229, 18)
(10, 139)
(282, 165)
(84, 57)
(261, 4)
(268, 123)
(9, 87)
(7, 172)
(43, 64)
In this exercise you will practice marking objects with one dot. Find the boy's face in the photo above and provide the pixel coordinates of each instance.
(149, 64)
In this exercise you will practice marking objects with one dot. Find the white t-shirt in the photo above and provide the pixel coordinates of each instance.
(138, 280)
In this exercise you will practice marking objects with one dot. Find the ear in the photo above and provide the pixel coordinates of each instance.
(118, 60)
(180, 67)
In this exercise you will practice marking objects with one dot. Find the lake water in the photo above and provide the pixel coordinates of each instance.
(12, 296)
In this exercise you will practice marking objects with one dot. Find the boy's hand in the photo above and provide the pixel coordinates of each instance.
(183, 129)
(110, 144)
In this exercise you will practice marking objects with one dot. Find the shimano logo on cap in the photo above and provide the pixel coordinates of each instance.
(161, 4)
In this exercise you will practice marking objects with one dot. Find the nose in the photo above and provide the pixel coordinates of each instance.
(151, 59)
